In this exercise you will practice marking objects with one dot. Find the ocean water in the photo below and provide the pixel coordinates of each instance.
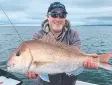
(95, 39)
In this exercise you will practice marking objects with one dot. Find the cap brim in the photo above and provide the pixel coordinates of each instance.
(59, 9)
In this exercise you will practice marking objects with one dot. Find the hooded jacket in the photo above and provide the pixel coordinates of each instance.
(68, 36)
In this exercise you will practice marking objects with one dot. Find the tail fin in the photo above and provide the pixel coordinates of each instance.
(106, 66)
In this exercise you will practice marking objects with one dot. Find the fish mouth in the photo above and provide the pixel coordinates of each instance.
(10, 66)
(9, 69)
(15, 70)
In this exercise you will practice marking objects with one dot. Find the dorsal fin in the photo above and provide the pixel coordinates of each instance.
(50, 39)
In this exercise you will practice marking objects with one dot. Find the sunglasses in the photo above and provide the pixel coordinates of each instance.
(55, 15)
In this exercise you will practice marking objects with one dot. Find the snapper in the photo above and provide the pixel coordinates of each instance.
(47, 56)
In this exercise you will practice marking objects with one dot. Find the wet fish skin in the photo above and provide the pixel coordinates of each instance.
(47, 57)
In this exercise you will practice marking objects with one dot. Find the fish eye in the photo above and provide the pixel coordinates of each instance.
(18, 53)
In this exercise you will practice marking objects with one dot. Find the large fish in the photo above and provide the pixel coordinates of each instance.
(47, 56)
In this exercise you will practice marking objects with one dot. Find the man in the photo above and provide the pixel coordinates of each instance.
(58, 26)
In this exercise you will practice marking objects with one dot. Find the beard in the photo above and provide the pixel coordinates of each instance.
(56, 28)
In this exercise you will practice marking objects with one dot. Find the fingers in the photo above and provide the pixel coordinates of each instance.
(90, 64)
(31, 75)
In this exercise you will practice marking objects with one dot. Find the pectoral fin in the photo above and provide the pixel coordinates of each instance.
(44, 77)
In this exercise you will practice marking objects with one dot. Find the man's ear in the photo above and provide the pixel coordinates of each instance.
(47, 16)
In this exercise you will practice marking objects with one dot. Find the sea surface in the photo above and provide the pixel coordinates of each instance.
(95, 39)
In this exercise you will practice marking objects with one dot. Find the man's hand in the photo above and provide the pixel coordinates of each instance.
(31, 75)
(104, 58)
(89, 63)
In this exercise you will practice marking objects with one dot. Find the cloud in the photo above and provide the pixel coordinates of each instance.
(79, 11)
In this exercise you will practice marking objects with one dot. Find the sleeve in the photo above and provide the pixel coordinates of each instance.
(38, 35)
(75, 39)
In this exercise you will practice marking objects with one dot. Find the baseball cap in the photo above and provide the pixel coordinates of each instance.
(56, 6)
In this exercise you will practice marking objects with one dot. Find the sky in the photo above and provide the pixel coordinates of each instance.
(33, 12)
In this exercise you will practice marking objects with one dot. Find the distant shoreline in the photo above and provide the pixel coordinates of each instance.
(72, 25)
(95, 25)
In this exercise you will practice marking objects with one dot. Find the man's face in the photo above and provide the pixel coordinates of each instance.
(56, 21)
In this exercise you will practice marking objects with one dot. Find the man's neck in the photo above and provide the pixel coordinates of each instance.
(56, 34)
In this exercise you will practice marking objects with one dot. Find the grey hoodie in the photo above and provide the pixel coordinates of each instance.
(67, 36)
